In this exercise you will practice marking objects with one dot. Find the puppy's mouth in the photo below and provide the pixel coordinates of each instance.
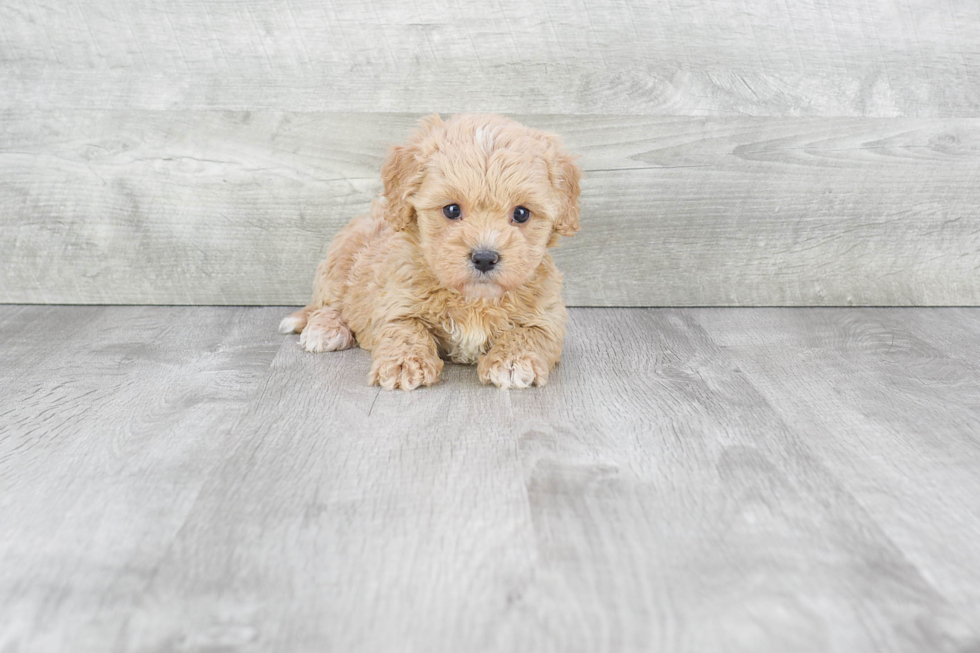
(482, 289)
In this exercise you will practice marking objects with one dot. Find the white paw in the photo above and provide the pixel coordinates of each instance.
(291, 324)
(513, 370)
(512, 374)
(407, 371)
(316, 339)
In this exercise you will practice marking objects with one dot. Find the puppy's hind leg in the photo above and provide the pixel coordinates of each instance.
(298, 321)
(322, 286)
(295, 322)
(325, 330)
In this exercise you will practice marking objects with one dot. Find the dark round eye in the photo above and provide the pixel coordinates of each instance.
(452, 211)
(521, 214)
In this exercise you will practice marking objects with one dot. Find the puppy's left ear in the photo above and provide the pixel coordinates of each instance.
(566, 177)
(402, 174)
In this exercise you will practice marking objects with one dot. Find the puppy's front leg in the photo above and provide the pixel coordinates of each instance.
(521, 357)
(405, 356)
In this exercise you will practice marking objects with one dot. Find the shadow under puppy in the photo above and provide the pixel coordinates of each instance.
(452, 262)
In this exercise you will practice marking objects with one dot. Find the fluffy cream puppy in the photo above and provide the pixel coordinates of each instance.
(452, 262)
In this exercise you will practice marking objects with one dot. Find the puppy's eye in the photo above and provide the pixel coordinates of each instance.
(452, 211)
(521, 214)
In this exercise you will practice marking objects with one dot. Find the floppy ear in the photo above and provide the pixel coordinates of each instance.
(565, 177)
(402, 174)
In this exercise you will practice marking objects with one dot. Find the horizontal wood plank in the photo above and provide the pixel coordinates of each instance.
(237, 207)
(677, 57)
(205, 152)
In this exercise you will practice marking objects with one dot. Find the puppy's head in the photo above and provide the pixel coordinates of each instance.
(487, 197)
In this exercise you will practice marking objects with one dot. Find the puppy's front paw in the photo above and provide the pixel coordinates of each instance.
(405, 370)
(513, 369)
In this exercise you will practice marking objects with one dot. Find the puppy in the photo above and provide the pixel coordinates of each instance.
(452, 262)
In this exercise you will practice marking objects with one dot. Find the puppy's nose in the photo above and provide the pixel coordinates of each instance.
(484, 259)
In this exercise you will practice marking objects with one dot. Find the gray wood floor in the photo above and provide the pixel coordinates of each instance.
(186, 479)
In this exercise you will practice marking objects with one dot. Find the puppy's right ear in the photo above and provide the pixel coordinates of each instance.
(403, 171)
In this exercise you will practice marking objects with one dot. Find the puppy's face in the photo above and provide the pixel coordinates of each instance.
(487, 197)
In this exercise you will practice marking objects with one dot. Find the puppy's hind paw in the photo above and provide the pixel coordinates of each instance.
(326, 331)
(292, 323)
(317, 341)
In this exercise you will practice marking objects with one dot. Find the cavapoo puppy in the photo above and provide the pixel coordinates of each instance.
(452, 262)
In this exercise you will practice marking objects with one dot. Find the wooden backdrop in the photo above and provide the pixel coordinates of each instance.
(775, 152)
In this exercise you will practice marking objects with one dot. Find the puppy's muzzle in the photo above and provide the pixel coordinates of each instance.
(484, 260)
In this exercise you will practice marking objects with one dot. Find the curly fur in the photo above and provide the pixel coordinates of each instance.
(399, 282)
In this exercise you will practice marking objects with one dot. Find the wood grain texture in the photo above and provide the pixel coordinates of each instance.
(738, 154)
(907, 388)
(677, 57)
(691, 480)
(180, 207)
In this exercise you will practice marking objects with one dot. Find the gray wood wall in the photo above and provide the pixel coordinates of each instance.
(765, 153)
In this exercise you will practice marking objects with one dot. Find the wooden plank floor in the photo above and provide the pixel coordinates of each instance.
(186, 479)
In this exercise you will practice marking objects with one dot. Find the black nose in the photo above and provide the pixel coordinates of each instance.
(484, 259)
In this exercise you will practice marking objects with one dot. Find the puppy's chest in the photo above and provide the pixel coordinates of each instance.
(463, 339)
